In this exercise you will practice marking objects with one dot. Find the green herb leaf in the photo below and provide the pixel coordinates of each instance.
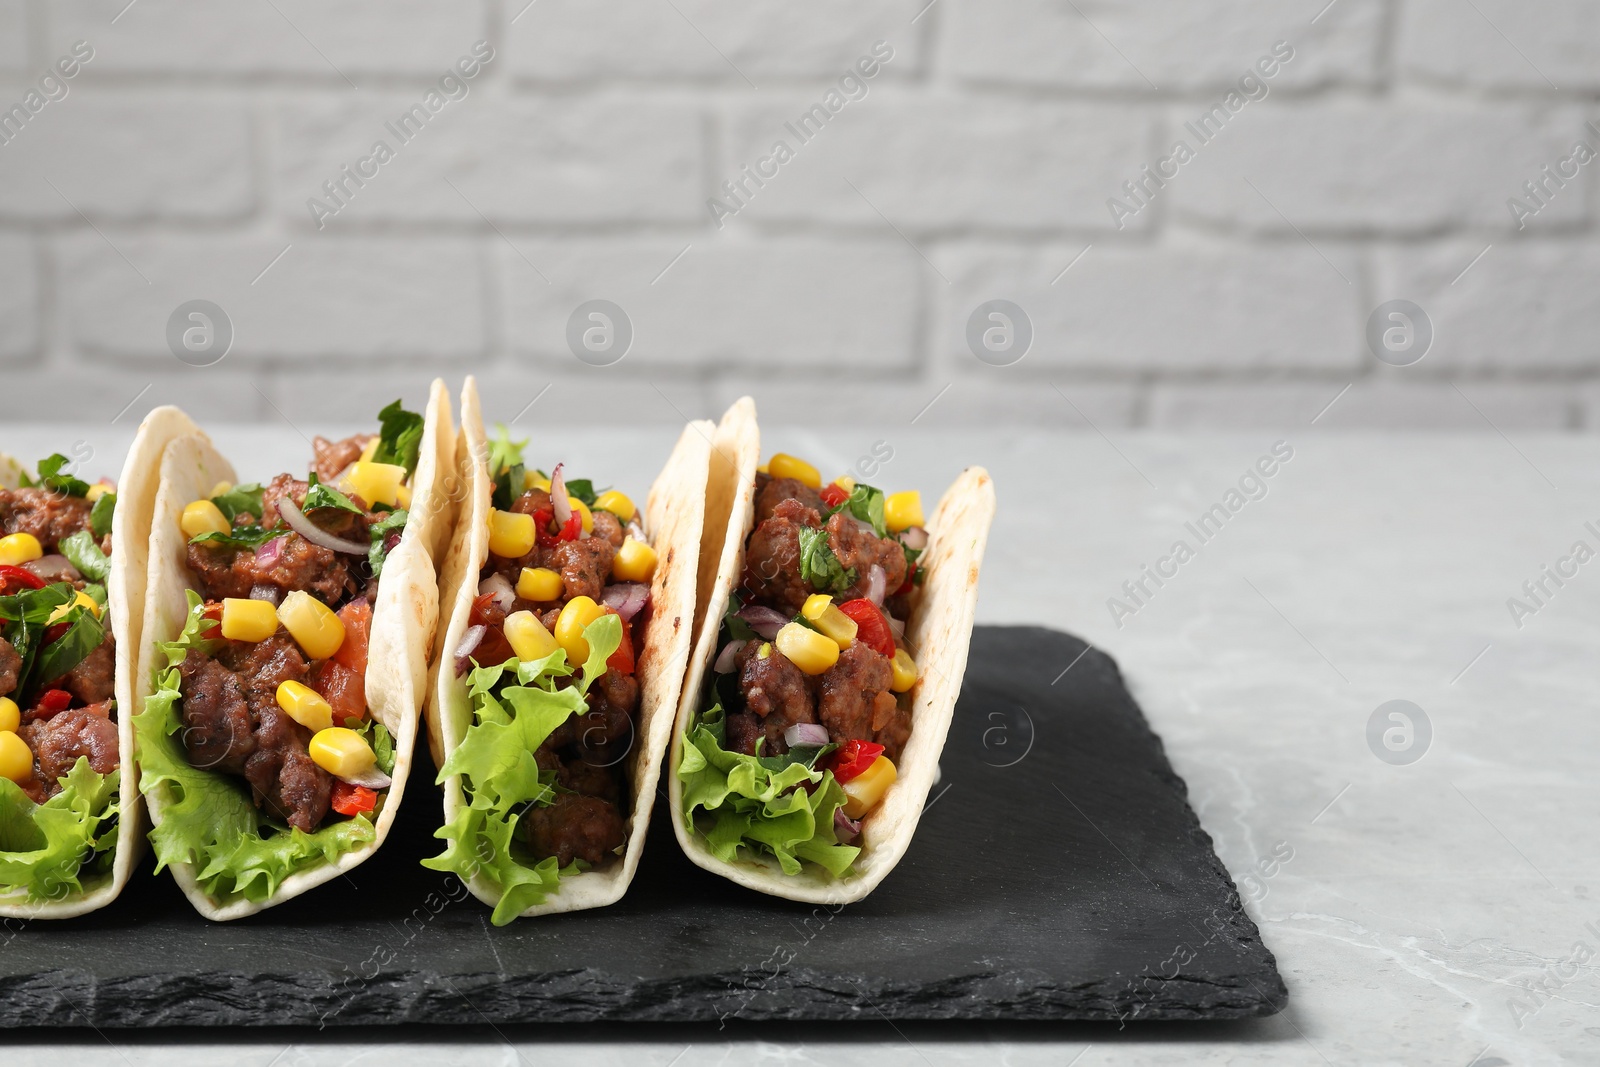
(819, 566)
(84, 634)
(240, 500)
(399, 437)
(505, 467)
(251, 537)
(326, 496)
(82, 550)
(736, 628)
(583, 489)
(100, 515)
(377, 555)
(50, 477)
(866, 504)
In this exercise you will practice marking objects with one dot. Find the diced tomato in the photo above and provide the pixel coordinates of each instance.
(348, 799)
(344, 689)
(621, 660)
(53, 633)
(14, 578)
(573, 527)
(906, 586)
(53, 701)
(852, 758)
(541, 527)
(872, 629)
(357, 619)
(833, 494)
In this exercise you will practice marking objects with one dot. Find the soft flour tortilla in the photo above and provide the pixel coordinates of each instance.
(404, 618)
(673, 519)
(125, 590)
(938, 633)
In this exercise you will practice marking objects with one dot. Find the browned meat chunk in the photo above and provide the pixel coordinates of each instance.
(262, 666)
(895, 728)
(605, 731)
(857, 546)
(607, 527)
(10, 667)
(58, 741)
(585, 566)
(855, 697)
(531, 501)
(741, 731)
(777, 692)
(334, 456)
(774, 491)
(228, 572)
(772, 557)
(575, 827)
(281, 774)
(44, 513)
(281, 486)
(218, 733)
(590, 779)
(94, 679)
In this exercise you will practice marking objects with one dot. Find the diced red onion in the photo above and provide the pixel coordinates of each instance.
(845, 828)
(626, 598)
(725, 658)
(877, 580)
(764, 621)
(636, 531)
(498, 586)
(272, 594)
(306, 528)
(469, 644)
(558, 496)
(373, 779)
(267, 552)
(805, 733)
(915, 538)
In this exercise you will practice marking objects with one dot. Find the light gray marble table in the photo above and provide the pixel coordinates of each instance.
(1438, 912)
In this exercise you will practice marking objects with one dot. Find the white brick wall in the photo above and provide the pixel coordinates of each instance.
(975, 164)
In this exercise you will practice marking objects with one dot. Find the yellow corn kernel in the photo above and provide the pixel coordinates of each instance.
(19, 548)
(402, 496)
(635, 561)
(845, 482)
(305, 705)
(535, 480)
(762, 469)
(783, 465)
(376, 483)
(370, 449)
(312, 624)
(510, 534)
(220, 488)
(203, 516)
(810, 651)
(249, 620)
(342, 752)
(98, 490)
(540, 585)
(579, 612)
(901, 511)
(833, 623)
(16, 761)
(82, 599)
(10, 715)
(616, 503)
(528, 637)
(865, 790)
(905, 671)
(583, 510)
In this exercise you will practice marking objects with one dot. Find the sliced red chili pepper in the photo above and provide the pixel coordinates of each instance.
(852, 759)
(54, 700)
(348, 799)
(573, 527)
(621, 660)
(19, 576)
(833, 494)
(541, 527)
(872, 629)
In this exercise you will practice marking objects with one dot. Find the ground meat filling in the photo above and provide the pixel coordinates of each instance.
(777, 694)
(59, 741)
(10, 667)
(94, 679)
(48, 515)
(334, 456)
(774, 491)
(576, 826)
(222, 572)
(772, 557)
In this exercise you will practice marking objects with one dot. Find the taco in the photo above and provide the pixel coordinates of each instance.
(284, 655)
(559, 672)
(829, 655)
(72, 583)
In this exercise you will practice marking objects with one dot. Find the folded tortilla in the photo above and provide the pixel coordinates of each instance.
(937, 634)
(404, 618)
(125, 592)
(673, 519)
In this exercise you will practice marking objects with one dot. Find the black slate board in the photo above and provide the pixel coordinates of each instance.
(1057, 874)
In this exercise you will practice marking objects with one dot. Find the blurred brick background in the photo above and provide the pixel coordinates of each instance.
(978, 165)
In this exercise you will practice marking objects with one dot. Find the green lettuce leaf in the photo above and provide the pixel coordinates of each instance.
(399, 437)
(49, 848)
(515, 707)
(82, 550)
(818, 564)
(752, 801)
(209, 819)
(101, 513)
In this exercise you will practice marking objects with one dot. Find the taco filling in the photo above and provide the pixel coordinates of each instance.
(810, 702)
(59, 753)
(549, 657)
(266, 684)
